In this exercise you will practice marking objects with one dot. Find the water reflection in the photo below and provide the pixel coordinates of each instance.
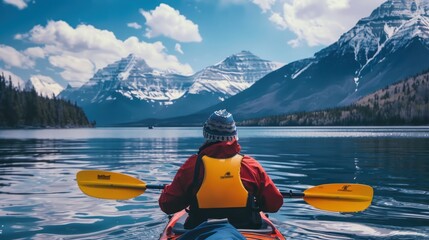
(40, 198)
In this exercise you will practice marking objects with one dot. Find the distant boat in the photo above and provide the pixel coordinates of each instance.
(150, 127)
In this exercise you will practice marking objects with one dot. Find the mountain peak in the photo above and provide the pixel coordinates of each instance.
(244, 53)
(132, 57)
(121, 69)
(389, 27)
(232, 75)
(44, 86)
(405, 9)
(244, 61)
(390, 44)
(242, 56)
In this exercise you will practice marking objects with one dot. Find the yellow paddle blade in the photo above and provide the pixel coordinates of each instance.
(109, 185)
(340, 197)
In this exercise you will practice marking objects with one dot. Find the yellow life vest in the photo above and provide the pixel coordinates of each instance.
(222, 186)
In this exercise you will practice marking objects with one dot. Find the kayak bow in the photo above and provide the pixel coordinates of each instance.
(175, 229)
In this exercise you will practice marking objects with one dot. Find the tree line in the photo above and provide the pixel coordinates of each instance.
(21, 109)
(403, 103)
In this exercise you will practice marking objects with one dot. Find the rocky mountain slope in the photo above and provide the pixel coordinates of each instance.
(129, 89)
(403, 103)
(389, 45)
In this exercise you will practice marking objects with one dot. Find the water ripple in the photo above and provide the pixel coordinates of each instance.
(40, 198)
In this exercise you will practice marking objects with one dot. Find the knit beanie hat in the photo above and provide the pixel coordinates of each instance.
(220, 126)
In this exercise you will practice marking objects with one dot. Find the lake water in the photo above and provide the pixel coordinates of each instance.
(41, 200)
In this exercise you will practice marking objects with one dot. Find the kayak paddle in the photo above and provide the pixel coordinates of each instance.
(111, 185)
(335, 197)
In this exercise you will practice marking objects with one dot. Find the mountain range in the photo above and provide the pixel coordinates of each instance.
(43, 85)
(383, 48)
(389, 45)
(130, 90)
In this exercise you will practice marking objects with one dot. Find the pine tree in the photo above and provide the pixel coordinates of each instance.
(25, 108)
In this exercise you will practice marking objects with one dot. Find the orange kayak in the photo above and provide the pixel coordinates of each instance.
(175, 228)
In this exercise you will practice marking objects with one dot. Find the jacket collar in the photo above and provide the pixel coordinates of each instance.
(220, 149)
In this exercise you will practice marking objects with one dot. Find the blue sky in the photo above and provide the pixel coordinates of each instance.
(69, 40)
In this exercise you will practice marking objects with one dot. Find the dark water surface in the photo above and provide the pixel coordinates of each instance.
(41, 200)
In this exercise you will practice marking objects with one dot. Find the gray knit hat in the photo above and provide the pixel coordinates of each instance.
(220, 126)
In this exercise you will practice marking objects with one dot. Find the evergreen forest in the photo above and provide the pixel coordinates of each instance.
(403, 103)
(26, 109)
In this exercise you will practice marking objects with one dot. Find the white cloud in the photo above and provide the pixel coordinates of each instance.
(294, 43)
(75, 70)
(154, 54)
(317, 22)
(14, 58)
(20, 4)
(80, 51)
(167, 21)
(84, 37)
(134, 25)
(35, 52)
(338, 4)
(16, 80)
(178, 48)
(279, 21)
(265, 5)
(314, 22)
(19, 36)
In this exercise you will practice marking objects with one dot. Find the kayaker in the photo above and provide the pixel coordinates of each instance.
(208, 186)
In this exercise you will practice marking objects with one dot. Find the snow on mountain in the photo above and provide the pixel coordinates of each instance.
(221, 81)
(137, 91)
(390, 26)
(389, 45)
(132, 78)
(233, 75)
(44, 86)
(17, 82)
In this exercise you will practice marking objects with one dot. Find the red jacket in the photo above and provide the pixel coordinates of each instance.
(177, 195)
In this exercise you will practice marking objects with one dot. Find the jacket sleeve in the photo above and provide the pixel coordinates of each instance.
(175, 196)
(270, 197)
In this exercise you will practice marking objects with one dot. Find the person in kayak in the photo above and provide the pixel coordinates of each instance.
(219, 182)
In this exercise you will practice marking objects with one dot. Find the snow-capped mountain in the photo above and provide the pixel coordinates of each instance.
(389, 45)
(389, 28)
(133, 79)
(130, 90)
(233, 75)
(44, 86)
(218, 82)
(17, 82)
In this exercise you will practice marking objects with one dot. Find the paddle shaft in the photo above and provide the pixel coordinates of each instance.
(152, 186)
(289, 194)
